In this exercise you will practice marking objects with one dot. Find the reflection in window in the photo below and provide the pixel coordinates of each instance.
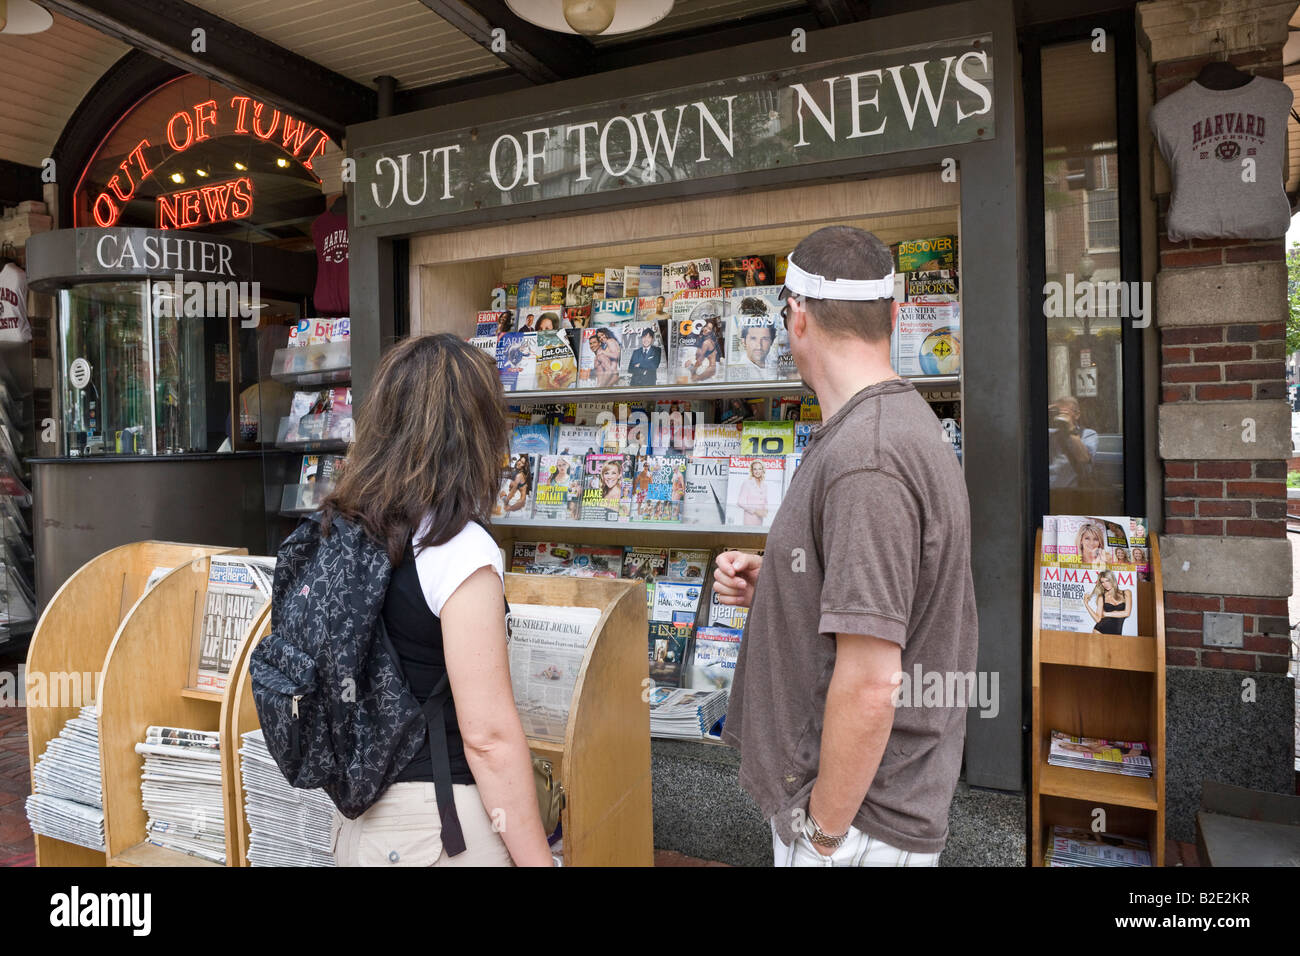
(1081, 226)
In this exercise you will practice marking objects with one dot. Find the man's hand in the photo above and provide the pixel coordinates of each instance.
(735, 577)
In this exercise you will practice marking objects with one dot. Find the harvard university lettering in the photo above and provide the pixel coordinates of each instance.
(1228, 124)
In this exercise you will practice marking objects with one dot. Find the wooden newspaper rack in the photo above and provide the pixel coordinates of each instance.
(603, 763)
(1100, 685)
(73, 637)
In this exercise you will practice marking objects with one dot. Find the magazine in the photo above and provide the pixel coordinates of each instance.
(238, 588)
(668, 644)
(531, 439)
(515, 495)
(654, 308)
(1049, 598)
(556, 366)
(686, 714)
(649, 280)
(581, 440)
(517, 361)
(614, 284)
(613, 311)
(658, 488)
(687, 564)
(745, 271)
(599, 559)
(608, 487)
(1071, 846)
(642, 360)
(767, 438)
(559, 488)
(924, 255)
(600, 358)
(689, 274)
(522, 555)
(927, 339)
(1132, 759)
(676, 601)
(697, 335)
(645, 564)
(716, 440)
(706, 491)
(579, 291)
(758, 348)
(754, 489)
(713, 660)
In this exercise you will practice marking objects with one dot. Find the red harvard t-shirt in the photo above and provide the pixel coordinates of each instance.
(329, 234)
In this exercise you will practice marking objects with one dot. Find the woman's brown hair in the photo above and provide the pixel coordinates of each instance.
(431, 436)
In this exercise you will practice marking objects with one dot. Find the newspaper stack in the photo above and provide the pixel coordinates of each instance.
(67, 801)
(1130, 758)
(286, 826)
(1070, 846)
(181, 791)
(685, 713)
(547, 647)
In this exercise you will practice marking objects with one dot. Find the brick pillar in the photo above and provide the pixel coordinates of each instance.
(1224, 436)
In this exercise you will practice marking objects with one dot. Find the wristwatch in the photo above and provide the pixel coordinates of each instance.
(817, 835)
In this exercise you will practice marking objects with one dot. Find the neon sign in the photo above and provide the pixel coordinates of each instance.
(244, 116)
(206, 204)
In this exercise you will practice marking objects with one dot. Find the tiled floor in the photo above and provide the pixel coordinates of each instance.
(16, 848)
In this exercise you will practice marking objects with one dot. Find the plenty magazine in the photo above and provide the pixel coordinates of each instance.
(697, 335)
(754, 488)
(613, 311)
(238, 588)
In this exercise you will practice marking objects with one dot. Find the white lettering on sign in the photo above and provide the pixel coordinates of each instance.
(121, 252)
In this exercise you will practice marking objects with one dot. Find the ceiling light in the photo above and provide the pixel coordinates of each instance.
(282, 163)
(592, 17)
(178, 178)
(201, 173)
(23, 16)
(241, 167)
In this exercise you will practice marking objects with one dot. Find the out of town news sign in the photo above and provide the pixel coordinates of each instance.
(938, 94)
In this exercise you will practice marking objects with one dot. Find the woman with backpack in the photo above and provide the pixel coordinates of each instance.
(421, 479)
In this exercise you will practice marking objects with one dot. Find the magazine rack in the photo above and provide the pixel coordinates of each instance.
(146, 681)
(1100, 685)
(73, 637)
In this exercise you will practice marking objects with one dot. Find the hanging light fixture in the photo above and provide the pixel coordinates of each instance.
(591, 17)
(23, 16)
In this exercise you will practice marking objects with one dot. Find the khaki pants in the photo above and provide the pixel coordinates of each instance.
(403, 829)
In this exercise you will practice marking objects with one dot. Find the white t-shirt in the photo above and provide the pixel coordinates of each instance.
(445, 567)
(13, 304)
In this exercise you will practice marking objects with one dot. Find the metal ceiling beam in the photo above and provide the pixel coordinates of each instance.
(542, 56)
(834, 13)
(232, 56)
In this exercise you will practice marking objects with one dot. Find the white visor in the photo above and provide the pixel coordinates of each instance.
(819, 287)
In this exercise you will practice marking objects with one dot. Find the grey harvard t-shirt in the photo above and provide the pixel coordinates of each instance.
(873, 537)
(1206, 136)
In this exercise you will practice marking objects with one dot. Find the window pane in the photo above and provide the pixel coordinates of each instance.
(1084, 351)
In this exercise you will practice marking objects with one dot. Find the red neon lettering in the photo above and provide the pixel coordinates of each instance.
(104, 219)
(243, 190)
(295, 135)
(317, 150)
(189, 203)
(168, 212)
(205, 114)
(257, 115)
(137, 156)
(171, 132)
(112, 184)
(242, 103)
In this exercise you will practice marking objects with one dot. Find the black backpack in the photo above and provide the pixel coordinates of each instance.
(335, 707)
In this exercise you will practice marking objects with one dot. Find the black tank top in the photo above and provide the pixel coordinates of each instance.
(416, 634)
(1110, 625)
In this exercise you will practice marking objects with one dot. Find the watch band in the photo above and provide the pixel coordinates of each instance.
(815, 834)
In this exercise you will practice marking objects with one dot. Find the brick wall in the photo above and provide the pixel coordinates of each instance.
(1238, 361)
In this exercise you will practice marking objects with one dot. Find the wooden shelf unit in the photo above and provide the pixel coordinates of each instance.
(1099, 685)
(73, 636)
(603, 763)
(146, 681)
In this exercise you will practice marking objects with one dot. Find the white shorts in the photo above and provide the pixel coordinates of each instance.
(858, 850)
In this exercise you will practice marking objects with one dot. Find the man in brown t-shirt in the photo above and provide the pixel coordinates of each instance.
(863, 598)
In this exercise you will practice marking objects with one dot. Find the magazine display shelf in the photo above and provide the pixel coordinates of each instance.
(146, 681)
(74, 635)
(1100, 685)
